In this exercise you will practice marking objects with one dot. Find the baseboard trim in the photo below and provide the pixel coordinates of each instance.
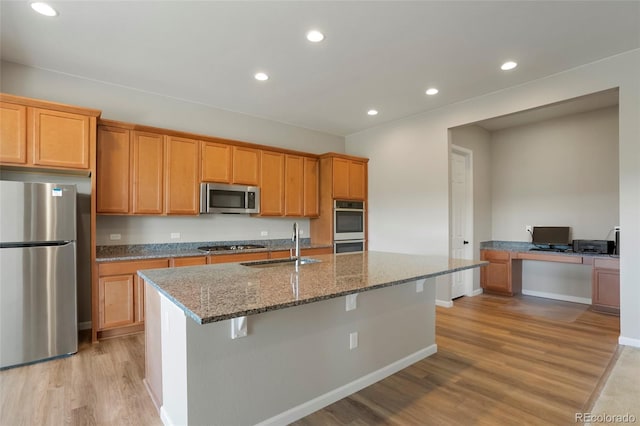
(476, 292)
(86, 325)
(554, 296)
(330, 397)
(628, 341)
(444, 303)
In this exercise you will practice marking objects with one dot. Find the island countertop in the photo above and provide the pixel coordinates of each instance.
(218, 292)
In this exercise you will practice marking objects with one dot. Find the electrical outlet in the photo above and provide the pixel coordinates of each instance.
(353, 340)
(175, 235)
(264, 233)
(301, 231)
(351, 302)
(114, 237)
(529, 228)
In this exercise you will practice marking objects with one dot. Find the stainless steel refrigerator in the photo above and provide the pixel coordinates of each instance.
(38, 312)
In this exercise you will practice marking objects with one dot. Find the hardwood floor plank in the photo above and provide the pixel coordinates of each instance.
(500, 361)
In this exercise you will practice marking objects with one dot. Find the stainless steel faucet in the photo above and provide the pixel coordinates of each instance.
(296, 239)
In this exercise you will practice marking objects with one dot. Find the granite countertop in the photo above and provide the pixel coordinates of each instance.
(218, 292)
(525, 247)
(171, 250)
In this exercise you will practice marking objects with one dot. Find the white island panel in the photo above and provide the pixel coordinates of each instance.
(294, 361)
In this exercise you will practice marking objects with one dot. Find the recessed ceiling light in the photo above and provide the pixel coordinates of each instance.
(509, 65)
(44, 9)
(372, 112)
(431, 91)
(315, 36)
(261, 76)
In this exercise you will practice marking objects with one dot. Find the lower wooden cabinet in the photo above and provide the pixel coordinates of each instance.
(503, 274)
(605, 290)
(121, 293)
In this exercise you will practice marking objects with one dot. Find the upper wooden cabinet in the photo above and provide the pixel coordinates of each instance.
(311, 184)
(227, 163)
(349, 179)
(147, 155)
(61, 139)
(246, 165)
(217, 162)
(272, 184)
(46, 134)
(113, 170)
(181, 176)
(288, 185)
(13, 133)
(142, 172)
(294, 185)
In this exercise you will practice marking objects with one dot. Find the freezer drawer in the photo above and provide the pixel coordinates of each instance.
(38, 314)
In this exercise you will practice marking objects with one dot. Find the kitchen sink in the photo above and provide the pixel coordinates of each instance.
(278, 262)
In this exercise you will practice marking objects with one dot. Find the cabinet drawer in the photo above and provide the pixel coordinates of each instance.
(495, 255)
(239, 257)
(188, 261)
(606, 263)
(117, 268)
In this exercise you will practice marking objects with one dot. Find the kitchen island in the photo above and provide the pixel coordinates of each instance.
(271, 343)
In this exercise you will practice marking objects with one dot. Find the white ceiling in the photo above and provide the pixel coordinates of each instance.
(381, 55)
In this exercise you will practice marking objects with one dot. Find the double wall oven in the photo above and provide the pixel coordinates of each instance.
(348, 226)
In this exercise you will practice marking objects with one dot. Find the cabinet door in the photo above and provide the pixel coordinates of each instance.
(113, 168)
(181, 173)
(138, 293)
(246, 165)
(116, 301)
(60, 139)
(148, 161)
(13, 133)
(216, 162)
(497, 276)
(340, 178)
(357, 180)
(311, 187)
(272, 184)
(606, 288)
(294, 186)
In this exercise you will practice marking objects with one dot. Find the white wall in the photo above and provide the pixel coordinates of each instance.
(559, 172)
(212, 227)
(134, 106)
(408, 166)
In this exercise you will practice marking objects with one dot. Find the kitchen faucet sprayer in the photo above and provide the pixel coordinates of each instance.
(296, 239)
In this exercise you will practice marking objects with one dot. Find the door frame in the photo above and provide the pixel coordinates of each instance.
(468, 154)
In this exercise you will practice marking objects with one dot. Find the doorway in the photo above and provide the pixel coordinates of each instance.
(461, 217)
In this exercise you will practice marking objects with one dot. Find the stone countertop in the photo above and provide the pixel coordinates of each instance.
(525, 247)
(218, 292)
(173, 250)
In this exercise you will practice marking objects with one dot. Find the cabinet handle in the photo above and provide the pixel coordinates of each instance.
(465, 242)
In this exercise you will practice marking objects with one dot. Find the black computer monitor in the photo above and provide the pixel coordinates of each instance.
(551, 235)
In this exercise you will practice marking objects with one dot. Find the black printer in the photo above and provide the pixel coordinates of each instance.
(594, 246)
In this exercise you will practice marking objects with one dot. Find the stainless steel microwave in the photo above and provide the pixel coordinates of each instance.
(225, 198)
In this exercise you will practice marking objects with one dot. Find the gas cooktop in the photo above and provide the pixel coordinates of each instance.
(231, 247)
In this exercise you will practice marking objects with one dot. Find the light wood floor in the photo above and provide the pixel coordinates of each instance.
(519, 360)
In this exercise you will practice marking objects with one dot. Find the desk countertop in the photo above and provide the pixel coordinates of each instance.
(525, 247)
